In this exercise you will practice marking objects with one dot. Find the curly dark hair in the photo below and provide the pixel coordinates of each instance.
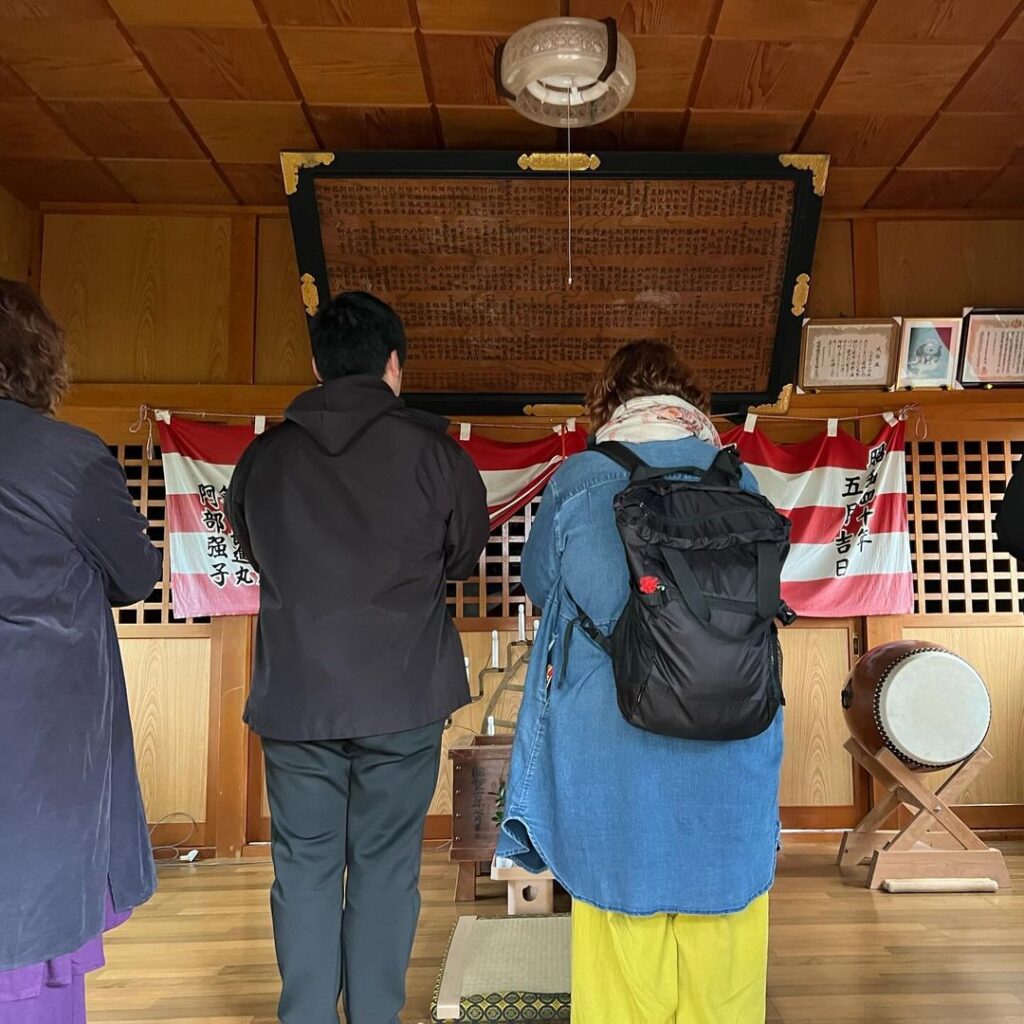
(639, 369)
(33, 358)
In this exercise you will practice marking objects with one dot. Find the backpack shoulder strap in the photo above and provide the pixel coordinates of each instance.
(726, 469)
(638, 469)
(619, 453)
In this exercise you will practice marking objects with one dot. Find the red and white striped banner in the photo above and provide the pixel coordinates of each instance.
(847, 501)
(515, 473)
(210, 576)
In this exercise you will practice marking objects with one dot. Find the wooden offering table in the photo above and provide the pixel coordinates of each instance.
(478, 772)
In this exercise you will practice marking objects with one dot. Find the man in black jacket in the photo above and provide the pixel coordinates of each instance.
(356, 510)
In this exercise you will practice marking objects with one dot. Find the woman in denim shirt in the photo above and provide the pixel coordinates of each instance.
(666, 845)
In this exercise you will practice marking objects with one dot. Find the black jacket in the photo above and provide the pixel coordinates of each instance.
(1010, 516)
(356, 510)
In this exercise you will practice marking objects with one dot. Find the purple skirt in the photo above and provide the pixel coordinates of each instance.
(53, 992)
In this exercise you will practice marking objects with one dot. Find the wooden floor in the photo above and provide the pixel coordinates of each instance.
(201, 951)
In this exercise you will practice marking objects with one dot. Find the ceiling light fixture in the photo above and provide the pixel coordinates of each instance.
(566, 72)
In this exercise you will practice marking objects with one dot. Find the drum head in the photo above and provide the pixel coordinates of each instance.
(934, 708)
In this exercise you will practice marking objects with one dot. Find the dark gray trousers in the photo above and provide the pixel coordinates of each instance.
(357, 807)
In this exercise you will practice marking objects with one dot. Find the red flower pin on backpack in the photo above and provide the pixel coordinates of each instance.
(650, 584)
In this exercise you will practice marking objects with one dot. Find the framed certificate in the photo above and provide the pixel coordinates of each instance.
(928, 352)
(844, 355)
(993, 348)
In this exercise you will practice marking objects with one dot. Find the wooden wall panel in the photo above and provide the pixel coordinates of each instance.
(832, 272)
(169, 694)
(816, 770)
(997, 652)
(141, 298)
(282, 338)
(17, 237)
(935, 268)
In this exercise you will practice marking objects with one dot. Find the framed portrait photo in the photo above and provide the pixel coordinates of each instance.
(992, 348)
(844, 355)
(928, 352)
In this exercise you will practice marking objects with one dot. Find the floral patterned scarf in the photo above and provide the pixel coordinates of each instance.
(658, 418)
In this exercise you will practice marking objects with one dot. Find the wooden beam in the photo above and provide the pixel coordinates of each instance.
(263, 399)
(171, 209)
(970, 213)
(229, 737)
(272, 399)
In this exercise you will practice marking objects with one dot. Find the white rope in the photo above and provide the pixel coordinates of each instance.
(568, 169)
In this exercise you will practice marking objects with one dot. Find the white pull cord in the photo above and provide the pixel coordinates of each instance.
(568, 167)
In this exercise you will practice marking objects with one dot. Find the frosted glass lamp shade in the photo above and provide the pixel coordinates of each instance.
(567, 71)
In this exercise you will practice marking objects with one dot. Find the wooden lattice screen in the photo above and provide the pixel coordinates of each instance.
(954, 489)
(496, 592)
(146, 485)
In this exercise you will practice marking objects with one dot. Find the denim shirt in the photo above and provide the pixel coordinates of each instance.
(626, 820)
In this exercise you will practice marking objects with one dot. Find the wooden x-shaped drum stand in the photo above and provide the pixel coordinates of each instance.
(937, 844)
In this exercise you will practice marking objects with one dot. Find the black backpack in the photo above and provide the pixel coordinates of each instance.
(695, 652)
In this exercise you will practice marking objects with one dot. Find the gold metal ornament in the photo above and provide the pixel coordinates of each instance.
(292, 163)
(816, 163)
(777, 408)
(310, 294)
(559, 162)
(801, 290)
(561, 412)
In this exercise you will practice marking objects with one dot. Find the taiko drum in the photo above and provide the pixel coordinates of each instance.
(926, 704)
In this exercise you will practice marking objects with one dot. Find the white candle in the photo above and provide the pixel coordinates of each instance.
(466, 660)
(494, 648)
(490, 725)
(522, 622)
(536, 626)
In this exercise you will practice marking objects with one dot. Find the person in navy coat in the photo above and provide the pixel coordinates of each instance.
(73, 840)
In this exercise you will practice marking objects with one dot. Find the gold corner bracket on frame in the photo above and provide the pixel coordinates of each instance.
(801, 292)
(559, 162)
(310, 294)
(780, 407)
(292, 163)
(816, 163)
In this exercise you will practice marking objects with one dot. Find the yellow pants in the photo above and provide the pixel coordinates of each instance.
(669, 969)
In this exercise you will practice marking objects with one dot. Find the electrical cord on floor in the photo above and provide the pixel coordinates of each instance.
(174, 849)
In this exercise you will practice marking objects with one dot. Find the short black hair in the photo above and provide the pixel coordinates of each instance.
(355, 333)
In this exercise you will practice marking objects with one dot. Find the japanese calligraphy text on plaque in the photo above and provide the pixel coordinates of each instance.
(477, 270)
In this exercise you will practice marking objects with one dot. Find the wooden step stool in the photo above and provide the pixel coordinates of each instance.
(529, 895)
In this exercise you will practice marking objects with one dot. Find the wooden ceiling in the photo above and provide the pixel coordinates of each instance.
(920, 102)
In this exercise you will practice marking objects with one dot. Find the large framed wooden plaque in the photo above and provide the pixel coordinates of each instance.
(711, 253)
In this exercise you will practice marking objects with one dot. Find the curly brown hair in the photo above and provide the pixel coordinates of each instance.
(639, 369)
(33, 358)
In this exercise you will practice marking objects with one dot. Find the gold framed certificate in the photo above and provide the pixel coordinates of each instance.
(845, 355)
(993, 348)
(928, 352)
